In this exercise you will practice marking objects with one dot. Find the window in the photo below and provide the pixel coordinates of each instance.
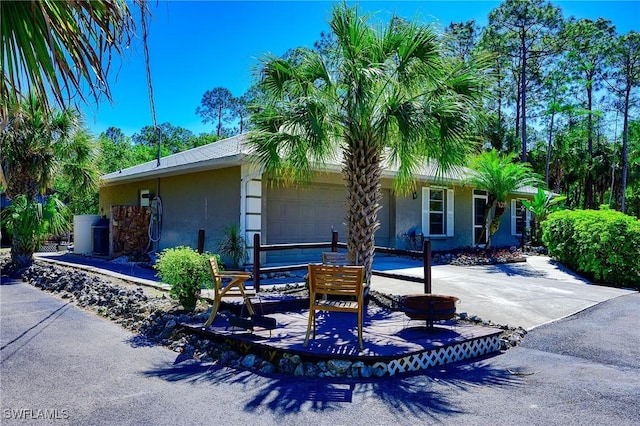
(437, 211)
(519, 218)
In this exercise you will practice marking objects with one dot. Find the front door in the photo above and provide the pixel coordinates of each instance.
(480, 229)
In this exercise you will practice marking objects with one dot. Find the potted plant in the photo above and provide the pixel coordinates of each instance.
(186, 271)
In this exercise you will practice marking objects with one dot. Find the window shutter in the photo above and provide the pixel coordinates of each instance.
(425, 211)
(450, 213)
(514, 216)
(527, 224)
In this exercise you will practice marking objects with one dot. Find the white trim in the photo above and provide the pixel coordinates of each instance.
(514, 216)
(484, 197)
(250, 204)
(426, 192)
(448, 211)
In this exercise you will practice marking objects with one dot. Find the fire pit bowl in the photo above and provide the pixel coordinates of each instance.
(429, 307)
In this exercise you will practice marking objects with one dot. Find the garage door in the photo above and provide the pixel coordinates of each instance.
(308, 215)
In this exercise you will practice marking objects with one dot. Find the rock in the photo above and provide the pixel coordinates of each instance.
(228, 357)
(504, 344)
(285, 366)
(338, 366)
(310, 369)
(267, 368)
(249, 361)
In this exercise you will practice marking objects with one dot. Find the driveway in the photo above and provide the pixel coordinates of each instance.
(59, 361)
(526, 294)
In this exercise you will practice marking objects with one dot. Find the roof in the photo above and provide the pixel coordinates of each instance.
(234, 151)
(220, 154)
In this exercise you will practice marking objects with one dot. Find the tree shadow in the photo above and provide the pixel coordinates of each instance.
(422, 394)
(515, 269)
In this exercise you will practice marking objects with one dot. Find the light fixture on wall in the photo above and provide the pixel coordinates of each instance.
(415, 195)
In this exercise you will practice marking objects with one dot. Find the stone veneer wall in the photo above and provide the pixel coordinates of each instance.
(129, 229)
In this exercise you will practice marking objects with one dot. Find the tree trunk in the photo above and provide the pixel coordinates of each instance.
(549, 146)
(362, 174)
(22, 249)
(491, 203)
(523, 98)
(501, 206)
(588, 186)
(625, 147)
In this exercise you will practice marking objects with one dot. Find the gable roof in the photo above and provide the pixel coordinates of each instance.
(234, 151)
(220, 154)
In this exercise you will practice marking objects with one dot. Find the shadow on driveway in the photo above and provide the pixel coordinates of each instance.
(406, 395)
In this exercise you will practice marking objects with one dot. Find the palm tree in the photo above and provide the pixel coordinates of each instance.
(35, 147)
(29, 222)
(377, 97)
(542, 204)
(499, 176)
(60, 47)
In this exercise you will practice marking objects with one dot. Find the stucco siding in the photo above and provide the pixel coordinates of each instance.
(122, 195)
(504, 237)
(207, 200)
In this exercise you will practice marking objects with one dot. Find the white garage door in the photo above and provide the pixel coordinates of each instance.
(307, 215)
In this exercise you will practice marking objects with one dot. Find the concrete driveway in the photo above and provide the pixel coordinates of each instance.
(526, 294)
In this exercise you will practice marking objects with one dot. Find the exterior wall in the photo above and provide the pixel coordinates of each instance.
(408, 215)
(504, 236)
(122, 195)
(205, 200)
(308, 213)
(213, 199)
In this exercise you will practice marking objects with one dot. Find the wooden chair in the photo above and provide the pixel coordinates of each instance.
(335, 258)
(335, 280)
(235, 288)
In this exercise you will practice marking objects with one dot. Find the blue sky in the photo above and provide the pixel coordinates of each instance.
(195, 46)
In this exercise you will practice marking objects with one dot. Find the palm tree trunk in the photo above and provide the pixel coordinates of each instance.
(491, 203)
(362, 174)
(501, 206)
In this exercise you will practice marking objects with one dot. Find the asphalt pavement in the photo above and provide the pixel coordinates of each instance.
(580, 363)
(62, 365)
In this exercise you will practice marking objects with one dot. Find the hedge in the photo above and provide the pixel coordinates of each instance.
(601, 244)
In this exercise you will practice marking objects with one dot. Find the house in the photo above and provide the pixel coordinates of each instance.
(215, 185)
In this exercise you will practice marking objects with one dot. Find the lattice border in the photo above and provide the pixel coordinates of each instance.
(445, 355)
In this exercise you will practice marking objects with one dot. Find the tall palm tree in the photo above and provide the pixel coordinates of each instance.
(377, 97)
(500, 176)
(36, 146)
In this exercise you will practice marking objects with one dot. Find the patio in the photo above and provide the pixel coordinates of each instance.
(392, 342)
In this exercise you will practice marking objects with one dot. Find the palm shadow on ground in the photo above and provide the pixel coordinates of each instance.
(405, 395)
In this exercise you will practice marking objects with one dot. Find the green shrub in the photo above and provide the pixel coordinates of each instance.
(602, 244)
(186, 271)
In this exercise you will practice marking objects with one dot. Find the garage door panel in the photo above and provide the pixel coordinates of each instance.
(304, 215)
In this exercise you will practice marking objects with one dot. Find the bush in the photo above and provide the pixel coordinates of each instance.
(602, 244)
(186, 271)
